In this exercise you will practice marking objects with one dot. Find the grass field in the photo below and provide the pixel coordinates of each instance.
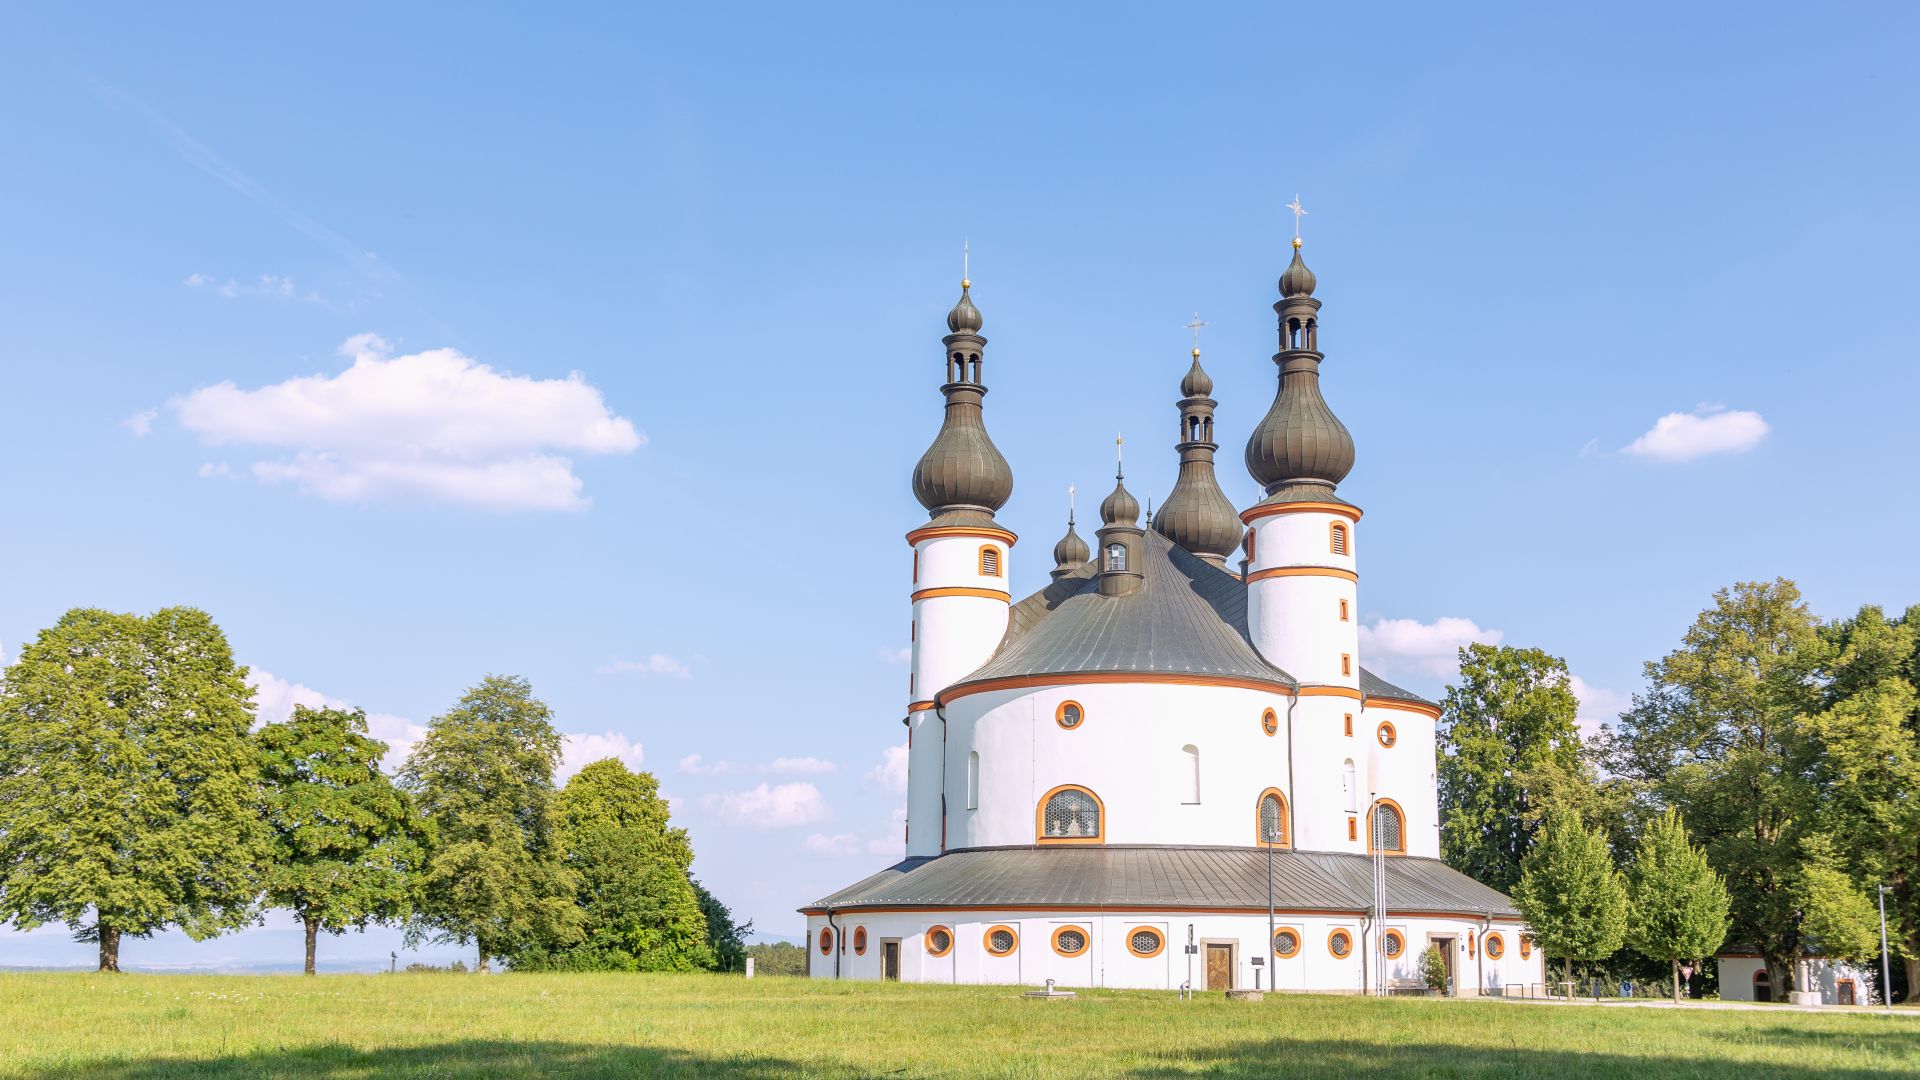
(135, 1027)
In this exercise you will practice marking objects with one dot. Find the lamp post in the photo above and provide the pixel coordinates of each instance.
(1273, 982)
(1886, 968)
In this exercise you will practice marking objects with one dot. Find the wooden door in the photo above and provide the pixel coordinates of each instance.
(1219, 967)
(890, 960)
(1844, 991)
(1445, 944)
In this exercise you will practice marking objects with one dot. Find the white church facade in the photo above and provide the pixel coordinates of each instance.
(1168, 767)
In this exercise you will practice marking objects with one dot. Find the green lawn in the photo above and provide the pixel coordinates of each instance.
(136, 1027)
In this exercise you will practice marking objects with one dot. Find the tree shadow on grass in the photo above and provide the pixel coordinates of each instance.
(1348, 1058)
(470, 1059)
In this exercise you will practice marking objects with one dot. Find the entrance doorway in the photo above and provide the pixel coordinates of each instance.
(1844, 992)
(1445, 945)
(1219, 966)
(1762, 985)
(890, 960)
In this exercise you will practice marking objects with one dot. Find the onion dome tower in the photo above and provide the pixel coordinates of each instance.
(1302, 581)
(1120, 536)
(1197, 515)
(960, 565)
(1071, 552)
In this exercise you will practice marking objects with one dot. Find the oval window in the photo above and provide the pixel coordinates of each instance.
(1069, 941)
(826, 941)
(939, 941)
(1340, 943)
(1496, 946)
(1286, 942)
(1000, 940)
(1069, 715)
(1526, 947)
(1269, 722)
(1145, 941)
(1395, 944)
(1387, 735)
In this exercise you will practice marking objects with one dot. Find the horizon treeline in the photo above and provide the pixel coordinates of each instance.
(1762, 787)
(137, 793)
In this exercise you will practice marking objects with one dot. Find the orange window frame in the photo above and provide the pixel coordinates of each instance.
(1086, 940)
(1159, 937)
(1400, 940)
(1337, 934)
(859, 941)
(1343, 611)
(1395, 807)
(1281, 950)
(1060, 715)
(1339, 541)
(1270, 722)
(826, 941)
(1040, 818)
(986, 940)
(1496, 945)
(1286, 826)
(1386, 734)
(927, 939)
(990, 552)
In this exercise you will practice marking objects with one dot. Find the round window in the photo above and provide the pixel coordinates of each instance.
(1386, 735)
(1146, 941)
(1340, 943)
(1526, 946)
(860, 941)
(1395, 945)
(1069, 941)
(1001, 939)
(1069, 715)
(1286, 942)
(939, 941)
(826, 941)
(1496, 947)
(1269, 722)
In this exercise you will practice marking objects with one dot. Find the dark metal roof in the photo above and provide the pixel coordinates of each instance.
(1166, 877)
(1188, 617)
(1374, 686)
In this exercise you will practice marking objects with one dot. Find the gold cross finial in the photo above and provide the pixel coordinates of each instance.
(1195, 326)
(1119, 456)
(966, 265)
(1298, 213)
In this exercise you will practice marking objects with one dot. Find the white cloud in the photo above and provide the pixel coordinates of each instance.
(141, 423)
(696, 765)
(1428, 648)
(893, 843)
(897, 656)
(212, 470)
(839, 844)
(891, 773)
(1599, 707)
(435, 425)
(583, 750)
(274, 699)
(1709, 429)
(657, 664)
(890, 843)
(766, 807)
(267, 286)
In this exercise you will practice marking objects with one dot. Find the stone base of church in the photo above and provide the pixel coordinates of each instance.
(1206, 950)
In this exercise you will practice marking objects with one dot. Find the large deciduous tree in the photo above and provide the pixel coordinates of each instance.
(641, 911)
(343, 844)
(725, 937)
(129, 788)
(1573, 899)
(1676, 903)
(1507, 748)
(494, 875)
(1720, 735)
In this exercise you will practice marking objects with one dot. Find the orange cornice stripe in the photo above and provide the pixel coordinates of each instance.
(990, 594)
(1352, 513)
(1411, 706)
(1089, 911)
(1330, 691)
(1302, 571)
(1071, 678)
(919, 706)
(932, 532)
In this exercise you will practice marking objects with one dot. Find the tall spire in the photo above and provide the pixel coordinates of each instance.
(962, 478)
(1301, 448)
(1071, 552)
(1197, 515)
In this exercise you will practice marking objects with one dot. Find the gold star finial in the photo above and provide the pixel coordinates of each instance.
(1195, 326)
(1298, 213)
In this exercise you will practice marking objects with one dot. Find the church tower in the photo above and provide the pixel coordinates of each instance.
(1301, 576)
(1197, 515)
(960, 567)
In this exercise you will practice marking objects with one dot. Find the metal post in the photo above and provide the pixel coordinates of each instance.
(1270, 967)
(1886, 968)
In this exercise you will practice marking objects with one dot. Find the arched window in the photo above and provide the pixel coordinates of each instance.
(1387, 828)
(1343, 611)
(1071, 815)
(1190, 774)
(1272, 813)
(1337, 538)
(989, 561)
(1350, 786)
(1116, 557)
(973, 780)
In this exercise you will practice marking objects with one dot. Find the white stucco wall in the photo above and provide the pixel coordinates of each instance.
(1737, 973)
(1295, 620)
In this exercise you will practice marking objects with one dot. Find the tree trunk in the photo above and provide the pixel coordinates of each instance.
(313, 929)
(1913, 979)
(109, 948)
(480, 968)
(1676, 982)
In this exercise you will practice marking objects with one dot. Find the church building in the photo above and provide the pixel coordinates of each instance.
(1169, 766)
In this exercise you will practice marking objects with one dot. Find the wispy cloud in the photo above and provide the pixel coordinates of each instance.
(1427, 648)
(656, 664)
(902, 655)
(436, 426)
(141, 423)
(274, 699)
(696, 765)
(768, 807)
(580, 751)
(890, 842)
(1599, 707)
(1709, 429)
(267, 286)
(891, 773)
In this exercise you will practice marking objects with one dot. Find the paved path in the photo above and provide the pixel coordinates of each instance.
(1742, 1006)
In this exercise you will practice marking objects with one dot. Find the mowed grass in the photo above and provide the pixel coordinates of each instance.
(144, 1027)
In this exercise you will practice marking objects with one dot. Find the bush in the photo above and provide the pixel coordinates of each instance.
(1433, 969)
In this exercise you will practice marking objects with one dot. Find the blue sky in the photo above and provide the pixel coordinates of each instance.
(1537, 233)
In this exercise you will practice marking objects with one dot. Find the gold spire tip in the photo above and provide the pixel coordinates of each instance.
(966, 283)
(1196, 352)
(1296, 243)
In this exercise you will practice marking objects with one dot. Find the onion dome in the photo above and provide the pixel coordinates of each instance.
(1197, 515)
(1071, 553)
(962, 478)
(1120, 507)
(1300, 441)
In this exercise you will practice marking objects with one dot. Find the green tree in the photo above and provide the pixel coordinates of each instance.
(343, 844)
(1506, 739)
(725, 937)
(778, 958)
(1676, 903)
(1574, 901)
(494, 875)
(641, 910)
(1720, 735)
(1837, 920)
(129, 789)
